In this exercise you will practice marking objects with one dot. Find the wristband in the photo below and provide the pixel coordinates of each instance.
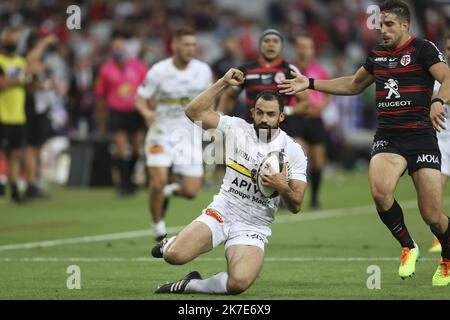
(437, 100)
(311, 83)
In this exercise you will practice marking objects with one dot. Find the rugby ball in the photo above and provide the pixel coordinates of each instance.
(271, 164)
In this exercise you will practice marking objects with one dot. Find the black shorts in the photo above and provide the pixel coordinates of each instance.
(311, 130)
(420, 149)
(38, 127)
(12, 136)
(126, 121)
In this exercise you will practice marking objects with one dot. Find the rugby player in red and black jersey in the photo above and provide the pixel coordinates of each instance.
(404, 68)
(265, 74)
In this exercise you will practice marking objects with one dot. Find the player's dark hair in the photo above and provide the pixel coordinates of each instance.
(397, 7)
(268, 95)
(184, 31)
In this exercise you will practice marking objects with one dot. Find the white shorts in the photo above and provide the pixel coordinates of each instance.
(180, 149)
(444, 146)
(231, 232)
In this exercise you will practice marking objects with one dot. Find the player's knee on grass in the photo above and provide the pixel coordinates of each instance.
(175, 257)
(237, 284)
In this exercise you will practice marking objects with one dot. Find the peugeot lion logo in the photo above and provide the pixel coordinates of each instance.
(392, 86)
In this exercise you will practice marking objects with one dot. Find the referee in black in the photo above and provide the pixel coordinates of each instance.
(404, 69)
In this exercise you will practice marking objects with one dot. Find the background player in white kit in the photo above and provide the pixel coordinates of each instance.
(444, 144)
(239, 216)
(173, 140)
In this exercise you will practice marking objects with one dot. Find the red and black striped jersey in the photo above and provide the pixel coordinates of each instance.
(261, 76)
(404, 85)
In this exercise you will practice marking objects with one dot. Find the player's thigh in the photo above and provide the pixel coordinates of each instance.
(158, 177)
(193, 240)
(385, 169)
(244, 265)
(429, 192)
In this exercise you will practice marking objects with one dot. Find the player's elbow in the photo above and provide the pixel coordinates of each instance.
(295, 209)
(190, 113)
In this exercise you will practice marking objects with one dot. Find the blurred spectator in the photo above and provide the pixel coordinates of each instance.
(14, 74)
(231, 57)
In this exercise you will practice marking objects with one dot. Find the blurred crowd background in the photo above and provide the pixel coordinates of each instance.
(227, 33)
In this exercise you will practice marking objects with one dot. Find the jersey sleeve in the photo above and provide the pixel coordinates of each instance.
(430, 55)
(297, 163)
(150, 84)
(368, 65)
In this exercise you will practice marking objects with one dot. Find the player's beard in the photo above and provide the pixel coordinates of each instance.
(265, 132)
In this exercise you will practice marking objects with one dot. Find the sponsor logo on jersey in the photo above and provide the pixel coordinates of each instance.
(381, 59)
(392, 86)
(428, 158)
(405, 60)
(279, 77)
(395, 104)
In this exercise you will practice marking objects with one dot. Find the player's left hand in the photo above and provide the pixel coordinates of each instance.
(278, 181)
(437, 116)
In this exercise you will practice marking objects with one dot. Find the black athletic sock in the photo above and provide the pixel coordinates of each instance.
(316, 176)
(444, 239)
(393, 219)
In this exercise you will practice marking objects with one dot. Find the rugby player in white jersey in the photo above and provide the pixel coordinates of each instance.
(444, 144)
(239, 215)
(173, 140)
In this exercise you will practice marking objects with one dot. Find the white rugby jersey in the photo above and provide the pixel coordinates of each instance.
(239, 198)
(444, 133)
(174, 89)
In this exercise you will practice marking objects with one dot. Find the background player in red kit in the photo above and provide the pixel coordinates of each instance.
(264, 74)
(404, 69)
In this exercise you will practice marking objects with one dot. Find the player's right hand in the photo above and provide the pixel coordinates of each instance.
(437, 116)
(295, 85)
(234, 77)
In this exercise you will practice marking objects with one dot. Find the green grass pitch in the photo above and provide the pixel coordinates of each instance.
(320, 254)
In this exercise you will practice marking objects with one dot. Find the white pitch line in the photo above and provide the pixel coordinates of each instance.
(147, 259)
(316, 215)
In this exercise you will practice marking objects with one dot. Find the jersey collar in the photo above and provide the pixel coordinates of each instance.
(264, 64)
(411, 38)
